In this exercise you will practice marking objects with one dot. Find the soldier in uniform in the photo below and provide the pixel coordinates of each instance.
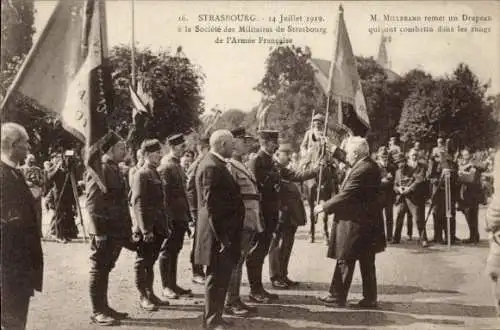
(177, 207)
(314, 135)
(152, 226)
(252, 224)
(203, 148)
(292, 214)
(268, 174)
(387, 189)
(408, 185)
(109, 226)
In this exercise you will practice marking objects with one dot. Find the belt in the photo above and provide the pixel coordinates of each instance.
(252, 197)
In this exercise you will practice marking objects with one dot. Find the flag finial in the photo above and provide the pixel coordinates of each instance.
(341, 9)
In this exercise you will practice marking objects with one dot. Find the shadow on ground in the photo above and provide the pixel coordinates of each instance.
(382, 289)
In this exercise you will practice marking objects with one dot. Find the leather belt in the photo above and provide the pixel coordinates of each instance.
(252, 197)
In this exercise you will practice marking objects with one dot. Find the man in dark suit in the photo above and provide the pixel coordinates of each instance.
(110, 228)
(219, 225)
(269, 175)
(21, 261)
(358, 228)
(152, 226)
(174, 191)
(203, 148)
(292, 215)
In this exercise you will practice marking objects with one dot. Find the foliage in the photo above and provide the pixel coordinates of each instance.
(231, 119)
(172, 81)
(453, 107)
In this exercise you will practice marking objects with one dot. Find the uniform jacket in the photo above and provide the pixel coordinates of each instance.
(358, 226)
(269, 175)
(148, 202)
(388, 172)
(174, 191)
(413, 178)
(21, 262)
(292, 208)
(434, 173)
(191, 188)
(220, 211)
(250, 194)
(328, 184)
(109, 212)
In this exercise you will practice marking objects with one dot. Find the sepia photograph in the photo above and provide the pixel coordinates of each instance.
(250, 164)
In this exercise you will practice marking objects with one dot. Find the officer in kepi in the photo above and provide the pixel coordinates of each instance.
(177, 207)
(268, 174)
(152, 225)
(109, 227)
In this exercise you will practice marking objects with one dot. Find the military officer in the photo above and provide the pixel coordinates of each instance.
(252, 223)
(152, 225)
(177, 207)
(292, 215)
(109, 226)
(268, 174)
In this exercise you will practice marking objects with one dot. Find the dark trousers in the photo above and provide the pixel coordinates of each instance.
(280, 252)
(146, 256)
(314, 219)
(389, 218)
(255, 261)
(197, 269)
(15, 303)
(440, 220)
(417, 212)
(168, 258)
(342, 278)
(103, 256)
(471, 213)
(216, 284)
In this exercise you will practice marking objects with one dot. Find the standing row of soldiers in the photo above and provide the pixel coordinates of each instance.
(408, 183)
(153, 219)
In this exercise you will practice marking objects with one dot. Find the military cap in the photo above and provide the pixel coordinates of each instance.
(269, 135)
(151, 145)
(110, 140)
(318, 117)
(399, 158)
(240, 133)
(285, 147)
(175, 140)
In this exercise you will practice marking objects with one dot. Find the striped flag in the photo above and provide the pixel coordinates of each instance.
(342, 81)
(67, 73)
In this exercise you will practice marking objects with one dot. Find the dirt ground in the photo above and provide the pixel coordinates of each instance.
(435, 288)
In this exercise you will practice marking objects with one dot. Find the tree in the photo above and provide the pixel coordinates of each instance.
(231, 119)
(454, 107)
(174, 84)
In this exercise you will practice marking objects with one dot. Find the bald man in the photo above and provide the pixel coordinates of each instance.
(219, 225)
(22, 258)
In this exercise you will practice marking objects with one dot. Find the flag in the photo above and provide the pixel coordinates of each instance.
(67, 73)
(342, 81)
(141, 101)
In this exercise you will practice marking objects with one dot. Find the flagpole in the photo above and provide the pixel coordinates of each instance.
(133, 44)
(323, 147)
